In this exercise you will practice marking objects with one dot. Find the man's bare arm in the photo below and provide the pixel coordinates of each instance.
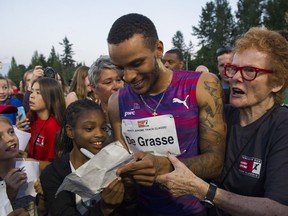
(212, 129)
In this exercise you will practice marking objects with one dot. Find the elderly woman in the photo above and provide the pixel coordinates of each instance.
(254, 178)
(105, 80)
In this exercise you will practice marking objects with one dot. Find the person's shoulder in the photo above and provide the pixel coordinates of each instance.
(230, 111)
(123, 91)
(182, 75)
(282, 112)
(114, 96)
(52, 121)
(15, 101)
(209, 76)
(58, 167)
(72, 96)
(210, 82)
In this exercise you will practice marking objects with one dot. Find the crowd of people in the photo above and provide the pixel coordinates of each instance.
(202, 144)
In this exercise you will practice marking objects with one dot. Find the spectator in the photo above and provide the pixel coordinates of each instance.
(27, 78)
(184, 107)
(80, 86)
(83, 127)
(47, 107)
(10, 177)
(173, 59)
(62, 82)
(224, 56)
(7, 98)
(105, 79)
(202, 68)
(254, 178)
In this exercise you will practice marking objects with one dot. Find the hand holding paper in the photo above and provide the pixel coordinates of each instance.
(96, 174)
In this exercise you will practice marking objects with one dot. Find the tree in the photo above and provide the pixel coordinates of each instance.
(68, 63)
(54, 61)
(276, 15)
(67, 59)
(38, 60)
(178, 42)
(249, 14)
(15, 73)
(215, 29)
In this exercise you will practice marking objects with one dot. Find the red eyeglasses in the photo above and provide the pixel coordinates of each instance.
(248, 73)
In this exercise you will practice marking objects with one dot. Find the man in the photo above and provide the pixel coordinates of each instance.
(159, 111)
(173, 59)
(224, 56)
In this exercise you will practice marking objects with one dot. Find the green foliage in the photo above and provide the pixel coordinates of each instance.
(65, 65)
(276, 15)
(249, 14)
(16, 72)
(178, 42)
(67, 56)
(218, 27)
(54, 61)
(215, 29)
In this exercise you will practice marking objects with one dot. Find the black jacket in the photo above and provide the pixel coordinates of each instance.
(65, 203)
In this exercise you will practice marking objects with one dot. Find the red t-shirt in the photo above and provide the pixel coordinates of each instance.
(43, 133)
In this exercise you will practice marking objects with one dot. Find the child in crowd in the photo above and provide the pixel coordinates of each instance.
(80, 87)
(11, 178)
(47, 107)
(6, 98)
(84, 127)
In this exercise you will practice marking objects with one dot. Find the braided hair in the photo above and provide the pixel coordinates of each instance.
(63, 143)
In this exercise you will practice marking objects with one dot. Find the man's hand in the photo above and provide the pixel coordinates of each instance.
(145, 168)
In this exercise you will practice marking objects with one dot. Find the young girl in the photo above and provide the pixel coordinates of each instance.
(84, 127)
(80, 87)
(6, 98)
(47, 107)
(13, 177)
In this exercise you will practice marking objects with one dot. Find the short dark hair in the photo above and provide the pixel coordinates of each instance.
(128, 25)
(223, 50)
(178, 52)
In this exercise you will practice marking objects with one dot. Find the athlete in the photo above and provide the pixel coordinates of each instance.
(160, 111)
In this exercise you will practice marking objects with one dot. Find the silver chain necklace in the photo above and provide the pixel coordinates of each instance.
(154, 110)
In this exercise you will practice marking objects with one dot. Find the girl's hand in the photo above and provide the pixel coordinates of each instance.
(20, 124)
(22, 154)
(19, 212)
(14, 179)
(38, 187)
(112, 196)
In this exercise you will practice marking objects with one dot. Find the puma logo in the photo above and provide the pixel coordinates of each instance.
(176, 100)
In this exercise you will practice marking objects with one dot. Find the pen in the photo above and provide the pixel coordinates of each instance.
(21, 169)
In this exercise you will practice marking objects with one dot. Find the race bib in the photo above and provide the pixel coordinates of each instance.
(156, 135)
